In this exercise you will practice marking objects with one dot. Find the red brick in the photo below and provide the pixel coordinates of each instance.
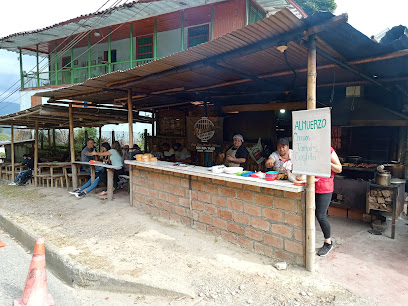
(184, 183)
(144, 191)
(175, 180)
(245, 195)
(234, 185)
(218, 182)
(272, 214)
(246, 243)
(196, 215)
(197, 185)
(175, 217)
(241, 218)
(292, 219)
(220, 223)
(263, 199)
(355, 214)
(267, 190)
(282, 230)
(212, 189)
(155, 211)
(168, 188)
(300, 207)
(273, 241)
(205, 219)
(337, 212)
(263, 249)
(164, 214)
(253, 234)
(150, 184)
(228, 236)
(260, 224)
(197, 205)
(194, 194)
(159, 204)
(164, 178)
(136, 188)
(205, 179)
(211, 210)
(292, 195)
(286, 204)
(234, 228)
(173, 199)
(169, 207)
(298, 234)
(227, 192)
(154, 176)
(180, 210)
(184, 202)
(235, 204)
(284, 256)
(225, 214)
(149, 201)
(213, 230)
(253, 188)
(186, 221)
(163, 196)
(294, 247)
(179, 191)
(220, 201)
(252, 210)
(201, 226)
(154, 193)
(204, 197)
(158, 186)
(278, 193)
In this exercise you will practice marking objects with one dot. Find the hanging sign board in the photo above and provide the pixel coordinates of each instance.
(311, 142)
(204, 134)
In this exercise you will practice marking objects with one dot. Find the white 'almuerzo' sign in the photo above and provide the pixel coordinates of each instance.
(311, 142)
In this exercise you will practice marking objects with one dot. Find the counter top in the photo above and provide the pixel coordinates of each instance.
(205, 172)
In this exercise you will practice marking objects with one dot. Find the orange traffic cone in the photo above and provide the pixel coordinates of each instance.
(36, 289)
(2, 245)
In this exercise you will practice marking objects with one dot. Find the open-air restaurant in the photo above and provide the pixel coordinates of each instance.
(253, 134)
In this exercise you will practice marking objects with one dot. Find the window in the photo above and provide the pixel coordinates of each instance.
(144, 47)
(113, 56)
(198, 35)
(66, 62)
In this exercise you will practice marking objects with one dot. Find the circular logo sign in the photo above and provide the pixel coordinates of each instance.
(204, 129)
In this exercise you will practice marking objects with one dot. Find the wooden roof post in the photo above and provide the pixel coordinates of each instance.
(130, 118)
(12, 153)
(72, 148)
(100, 139)
(310, 180)
(36, 153)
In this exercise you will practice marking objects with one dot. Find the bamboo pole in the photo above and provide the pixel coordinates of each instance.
(310, 180)
(100, 139)
(36, 153)
(13, 170)
(130, 118)
(72, 148)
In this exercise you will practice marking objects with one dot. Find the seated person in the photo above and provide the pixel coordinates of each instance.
(236, 154)
(181, 154)
(168, 153)
(134, 151)
(90, 147)
(281, 159)
(156, 153)
(24, 175)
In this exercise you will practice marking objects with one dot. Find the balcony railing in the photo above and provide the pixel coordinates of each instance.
(78, 74)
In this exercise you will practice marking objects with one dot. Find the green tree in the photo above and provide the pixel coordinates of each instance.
(311, 6)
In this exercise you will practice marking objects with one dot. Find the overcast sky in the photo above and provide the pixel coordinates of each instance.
(368, 16)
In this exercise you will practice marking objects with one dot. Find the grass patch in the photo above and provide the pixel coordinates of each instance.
(16, 192)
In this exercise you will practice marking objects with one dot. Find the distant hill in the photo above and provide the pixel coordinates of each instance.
(8, 108)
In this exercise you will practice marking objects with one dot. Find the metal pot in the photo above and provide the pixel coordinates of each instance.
(383, 178)
(354, 159)
(397, 170)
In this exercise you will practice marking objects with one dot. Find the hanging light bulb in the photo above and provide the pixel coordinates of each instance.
(97, 33)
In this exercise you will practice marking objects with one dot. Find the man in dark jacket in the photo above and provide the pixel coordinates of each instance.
(24, 176)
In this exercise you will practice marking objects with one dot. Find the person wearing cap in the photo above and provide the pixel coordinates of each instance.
(236, 154)
(281, 159)
(181, 154)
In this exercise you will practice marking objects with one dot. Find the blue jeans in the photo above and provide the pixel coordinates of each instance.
(89, 186)
(20, 174)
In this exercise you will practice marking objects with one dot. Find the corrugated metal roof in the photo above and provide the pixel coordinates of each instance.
(252, 53)
(135, 10)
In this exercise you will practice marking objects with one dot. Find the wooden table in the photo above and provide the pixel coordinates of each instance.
(110, 171)
(52, 166)
(8, 169)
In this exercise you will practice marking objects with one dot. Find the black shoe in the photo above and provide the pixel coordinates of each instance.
(80, 194)
(74, 192)
(325, 249)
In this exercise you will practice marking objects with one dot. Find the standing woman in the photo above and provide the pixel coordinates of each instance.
(324, 188)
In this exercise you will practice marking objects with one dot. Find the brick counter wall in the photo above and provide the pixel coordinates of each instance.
(263, 220)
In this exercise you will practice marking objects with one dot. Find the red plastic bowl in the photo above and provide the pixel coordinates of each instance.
(271, 178)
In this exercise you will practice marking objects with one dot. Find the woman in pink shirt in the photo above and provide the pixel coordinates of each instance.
(324, 188)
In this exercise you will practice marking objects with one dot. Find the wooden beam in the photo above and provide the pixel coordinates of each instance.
(130, 118)
(77, 94)
(133, 97)
(220, 84)
(167, 91)
(272, 106)
(121, 81)
(36, 153)
(334, 22)
(100, 139)
(13, 168)
(72, 148)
